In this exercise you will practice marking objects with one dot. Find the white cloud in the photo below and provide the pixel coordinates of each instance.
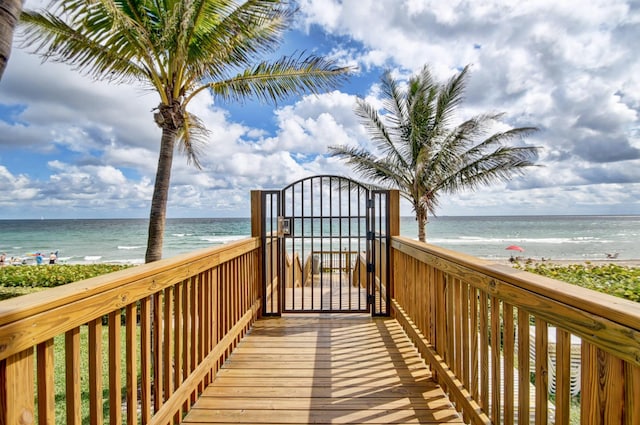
(569, 67)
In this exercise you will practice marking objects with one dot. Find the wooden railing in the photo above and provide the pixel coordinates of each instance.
(146, 340)
(472, 321)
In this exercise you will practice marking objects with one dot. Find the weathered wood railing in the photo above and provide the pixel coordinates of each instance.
(155, 336)
(471, 319)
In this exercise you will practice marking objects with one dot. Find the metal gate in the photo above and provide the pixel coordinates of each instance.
(323, 247)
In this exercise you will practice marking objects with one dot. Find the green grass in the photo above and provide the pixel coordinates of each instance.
(21, 280)
(59, 373)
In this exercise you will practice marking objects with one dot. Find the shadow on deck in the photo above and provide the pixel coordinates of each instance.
(324, 369)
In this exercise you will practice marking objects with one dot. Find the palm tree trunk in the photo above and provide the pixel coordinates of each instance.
(158, 215)
(421, 217)
(9, 14)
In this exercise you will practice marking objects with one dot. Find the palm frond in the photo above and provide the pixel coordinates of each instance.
(193, 138)
(89, 45)
(271, 81)
(236, 34)
(379, 170)
(383, 137)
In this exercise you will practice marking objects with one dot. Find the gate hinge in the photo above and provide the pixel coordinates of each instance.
(371, 299)
(370, 203)
(370, 236)
(370, 268)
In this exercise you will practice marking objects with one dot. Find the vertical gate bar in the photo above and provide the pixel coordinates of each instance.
(330, 243)
(274, 253)
(292, 239)
(275, 206)
(370, 250)
(359, 208)
(341, 257)
(275, 243)
(302, 240)
(350, 249)
(313, 242)
(387, 250)
(379, 252)
(321, 244)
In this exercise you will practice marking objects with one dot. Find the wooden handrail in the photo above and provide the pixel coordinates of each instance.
(172, 322)
(472, 318)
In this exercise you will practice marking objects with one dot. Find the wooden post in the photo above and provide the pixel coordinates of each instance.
(256, 213)
(394, 230)
(257, 224)
(17, 392)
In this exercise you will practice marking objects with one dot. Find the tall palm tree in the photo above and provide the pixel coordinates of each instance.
(9, 13)
(422, 154)
(179, 48)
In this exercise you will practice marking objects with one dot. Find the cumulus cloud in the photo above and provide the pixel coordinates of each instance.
(569, 68)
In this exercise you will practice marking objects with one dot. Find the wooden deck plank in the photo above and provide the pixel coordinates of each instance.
(323, 370)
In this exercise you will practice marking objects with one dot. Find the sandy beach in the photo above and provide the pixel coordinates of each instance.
(536, 261)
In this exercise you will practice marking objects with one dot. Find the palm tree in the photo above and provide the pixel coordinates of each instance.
(179, 48)
(422, 154)
(9, 13)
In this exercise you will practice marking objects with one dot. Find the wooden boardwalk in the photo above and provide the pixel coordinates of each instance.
(324, 369)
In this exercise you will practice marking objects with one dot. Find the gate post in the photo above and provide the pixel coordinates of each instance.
(257, 223)
(256, 213)
(394, 230)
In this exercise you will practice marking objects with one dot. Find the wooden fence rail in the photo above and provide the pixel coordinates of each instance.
(146, 340)
(498, 338)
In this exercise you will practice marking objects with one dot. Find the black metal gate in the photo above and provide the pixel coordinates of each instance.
(323, 247)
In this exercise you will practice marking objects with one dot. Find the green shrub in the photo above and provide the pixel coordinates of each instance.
(47, 276)
(612, 279)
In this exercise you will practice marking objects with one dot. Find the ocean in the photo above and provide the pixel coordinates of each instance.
(580, 238)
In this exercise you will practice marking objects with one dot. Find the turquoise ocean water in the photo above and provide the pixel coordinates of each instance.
(124, 240)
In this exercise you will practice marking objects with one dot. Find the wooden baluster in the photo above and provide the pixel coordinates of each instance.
(523, 368)
(95, 372)
(542, 373)
(72, 376)
(46, 385)
(457, 328)
(466, 347)
(194, 330)
(131, 345)
(17, 392)
(631, 390)
(168, 344)
(115, 370)
(449, 329)
(145, 359)
(509, 364)
(157, 340)
(602, 395)
(484, 352)
(496, 387)
(475, 349)
(563, 376)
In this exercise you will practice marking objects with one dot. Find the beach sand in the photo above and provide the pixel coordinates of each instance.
(551, 262)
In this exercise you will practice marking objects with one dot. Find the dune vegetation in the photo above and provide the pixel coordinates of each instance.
(612, 279)
(20, 280)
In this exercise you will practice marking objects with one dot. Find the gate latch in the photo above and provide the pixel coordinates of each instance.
(284, 228)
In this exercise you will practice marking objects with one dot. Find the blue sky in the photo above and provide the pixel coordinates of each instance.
(71, 147)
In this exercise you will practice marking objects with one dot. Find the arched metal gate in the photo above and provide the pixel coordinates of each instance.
(326, 247)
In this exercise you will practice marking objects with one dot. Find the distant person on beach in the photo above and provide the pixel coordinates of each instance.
(3, 257)
(52, 258)
(38, 258)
